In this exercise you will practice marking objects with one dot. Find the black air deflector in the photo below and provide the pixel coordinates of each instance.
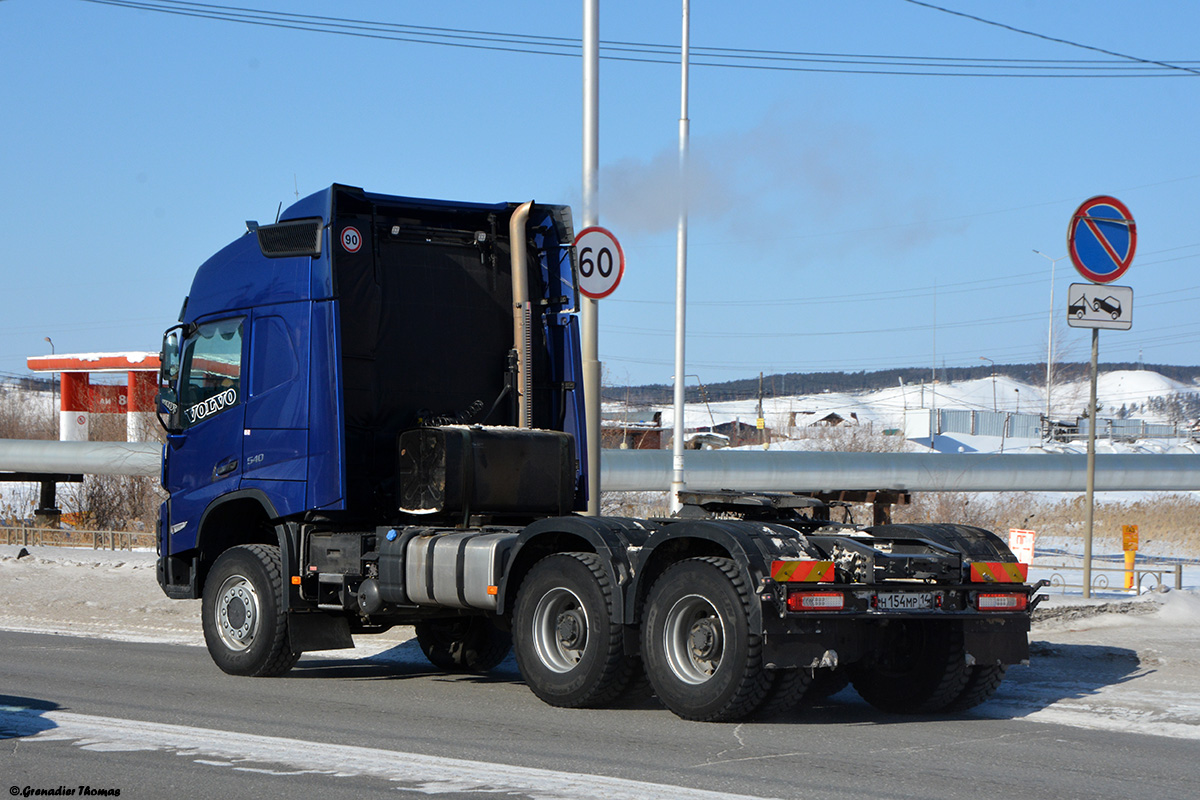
(300, 237)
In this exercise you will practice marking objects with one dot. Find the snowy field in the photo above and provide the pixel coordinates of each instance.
(887, 409)
(1115, 662)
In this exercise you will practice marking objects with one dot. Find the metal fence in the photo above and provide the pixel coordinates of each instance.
(1129, 429)
(1012, 425)
(63, 537)
(1005, 424)
(1109, 577)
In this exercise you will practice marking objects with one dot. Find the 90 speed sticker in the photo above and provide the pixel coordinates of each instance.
(351, 239)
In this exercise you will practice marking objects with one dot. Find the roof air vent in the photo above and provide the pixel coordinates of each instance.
(298, 237)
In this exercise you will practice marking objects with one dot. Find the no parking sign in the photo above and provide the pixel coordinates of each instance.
(1102, 239)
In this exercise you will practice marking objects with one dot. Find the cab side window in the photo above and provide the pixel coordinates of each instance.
(210, 378)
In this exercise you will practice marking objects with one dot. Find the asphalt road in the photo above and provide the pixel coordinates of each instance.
(157, 720)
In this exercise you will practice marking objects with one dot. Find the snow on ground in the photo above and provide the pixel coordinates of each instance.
(1114, 662)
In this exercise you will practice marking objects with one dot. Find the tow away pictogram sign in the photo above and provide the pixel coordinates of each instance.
(1092, 305)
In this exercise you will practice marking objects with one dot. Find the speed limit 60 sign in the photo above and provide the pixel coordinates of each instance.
(601, 262)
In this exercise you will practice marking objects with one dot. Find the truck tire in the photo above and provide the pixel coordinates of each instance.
(702, 658)
(789, 688)
(570, 650)
(919, 667)
(463, 644)
(245, 624)
(976, 544)
(982, 683)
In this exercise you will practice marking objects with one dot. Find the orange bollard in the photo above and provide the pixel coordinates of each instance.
(1130, 555)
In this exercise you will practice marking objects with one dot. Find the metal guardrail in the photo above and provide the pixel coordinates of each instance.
(64, 537)
(1146, 579)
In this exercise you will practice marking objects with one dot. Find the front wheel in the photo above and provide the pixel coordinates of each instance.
(464, 644)
(702, 658)
(245, 624)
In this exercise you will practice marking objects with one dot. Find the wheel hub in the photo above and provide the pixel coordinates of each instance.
(237, 613)
(571, 630)
(704, 640)
(559, 629)
(693, 639)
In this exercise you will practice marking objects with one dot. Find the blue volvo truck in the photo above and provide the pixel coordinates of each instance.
(375, 417)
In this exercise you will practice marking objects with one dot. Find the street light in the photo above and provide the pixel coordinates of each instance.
(53, 386)
(703, 396)
(1050, 328)
(993, 363)
(1018, 391)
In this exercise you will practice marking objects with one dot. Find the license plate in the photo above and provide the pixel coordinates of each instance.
(905, 601)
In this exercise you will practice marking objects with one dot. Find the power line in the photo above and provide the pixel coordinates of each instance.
(643, 52)
(1067, 42)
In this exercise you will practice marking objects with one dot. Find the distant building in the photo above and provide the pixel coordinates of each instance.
(631, 429)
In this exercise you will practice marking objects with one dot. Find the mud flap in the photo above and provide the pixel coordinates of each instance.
(994, 641)
(308, 632)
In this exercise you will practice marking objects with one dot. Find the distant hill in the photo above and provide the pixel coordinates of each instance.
(797, 383)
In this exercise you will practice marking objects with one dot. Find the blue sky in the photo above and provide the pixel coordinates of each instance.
(839, 221)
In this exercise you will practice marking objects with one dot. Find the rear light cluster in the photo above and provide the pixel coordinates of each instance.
(1001, 602)
(816, 601)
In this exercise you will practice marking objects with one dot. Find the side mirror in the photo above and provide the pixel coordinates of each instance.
(167, 407)
(168, 369)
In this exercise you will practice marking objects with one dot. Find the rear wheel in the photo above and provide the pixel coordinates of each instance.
(918, 666)
(789, 688)
(245, 623)
(463, 644)
(701, 657)
(982, 683)
(569, 647)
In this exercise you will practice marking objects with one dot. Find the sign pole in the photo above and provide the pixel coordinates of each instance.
(1101, 241)
(1091, 470)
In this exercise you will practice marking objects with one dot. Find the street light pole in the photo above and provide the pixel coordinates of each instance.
(589, 308)
(53, 386)
(1050, 330)
(993, 363)
(678, 477)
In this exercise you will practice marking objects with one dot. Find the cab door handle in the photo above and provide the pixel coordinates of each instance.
(224, 469)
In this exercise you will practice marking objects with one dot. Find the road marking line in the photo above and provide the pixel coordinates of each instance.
(418, 772)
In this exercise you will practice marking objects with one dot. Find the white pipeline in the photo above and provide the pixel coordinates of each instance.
(88, 458)
(710, 470)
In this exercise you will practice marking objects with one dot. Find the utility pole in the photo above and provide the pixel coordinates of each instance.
(760, 422)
